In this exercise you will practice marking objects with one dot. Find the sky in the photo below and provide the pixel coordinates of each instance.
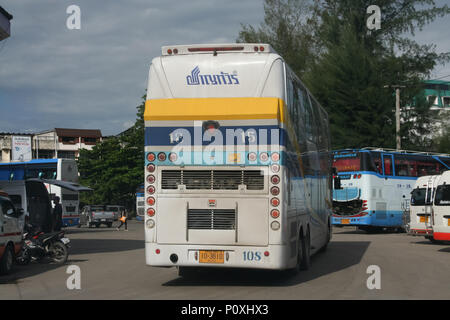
(95, 77)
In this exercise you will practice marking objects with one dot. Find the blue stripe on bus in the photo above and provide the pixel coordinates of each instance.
(375, 174)
(160, 136)
(390, 218)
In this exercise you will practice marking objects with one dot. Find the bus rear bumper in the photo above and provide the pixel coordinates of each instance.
(254, 257)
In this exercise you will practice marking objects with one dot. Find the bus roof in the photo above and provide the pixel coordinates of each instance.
(367, 149)
(217, 47)
(34, 161)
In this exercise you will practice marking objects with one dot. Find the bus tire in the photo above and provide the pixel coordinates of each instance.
(7, 260)
(305, 263)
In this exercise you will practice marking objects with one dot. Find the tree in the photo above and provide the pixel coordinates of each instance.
(347, 66)
(114, 168)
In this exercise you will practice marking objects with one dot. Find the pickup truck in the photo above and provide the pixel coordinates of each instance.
(96, 215)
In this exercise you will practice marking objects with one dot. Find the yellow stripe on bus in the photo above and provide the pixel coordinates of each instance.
(214, 109)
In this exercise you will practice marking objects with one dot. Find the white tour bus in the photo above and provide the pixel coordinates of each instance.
(238, 166)
(441, 209)
(421, 206)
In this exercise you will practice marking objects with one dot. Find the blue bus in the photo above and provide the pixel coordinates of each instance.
(376, 184)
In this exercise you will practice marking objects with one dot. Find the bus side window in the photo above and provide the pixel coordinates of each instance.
(387, 166)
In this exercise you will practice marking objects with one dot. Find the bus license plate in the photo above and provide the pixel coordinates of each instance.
(345, 221)
(448, 222)
(211, 256)
(423, 219)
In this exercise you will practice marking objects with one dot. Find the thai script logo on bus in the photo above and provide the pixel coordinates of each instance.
(222, 78)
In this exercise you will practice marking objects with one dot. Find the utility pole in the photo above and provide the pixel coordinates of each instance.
(397, 114)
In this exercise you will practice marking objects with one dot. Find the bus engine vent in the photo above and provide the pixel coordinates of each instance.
(212, 179)
(212, 219)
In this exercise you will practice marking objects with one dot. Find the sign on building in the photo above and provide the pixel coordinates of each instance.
(21, 148)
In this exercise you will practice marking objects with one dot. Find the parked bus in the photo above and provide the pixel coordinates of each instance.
(238, 161)
(140, 203)
(377, 184)
(421, 206)
(441, 209)
(51, 169)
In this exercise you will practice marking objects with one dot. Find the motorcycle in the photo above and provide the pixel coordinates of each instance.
(37, 245)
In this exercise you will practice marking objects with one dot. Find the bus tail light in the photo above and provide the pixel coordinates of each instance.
(151, 189)
(275, 213)
(151, 157)
(151, 178)
(150, 201)
(151, 167)
(150, 223)
(275, 179)
(275, 225)
(264, 157)
(275, 202)
(275, 191)
(173, 157)
(252, 156)
(150, 212)
(161, 156)
(275, 168)
(275, 156)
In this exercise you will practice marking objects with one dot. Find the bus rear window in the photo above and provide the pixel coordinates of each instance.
(418, 197)
(347, 163)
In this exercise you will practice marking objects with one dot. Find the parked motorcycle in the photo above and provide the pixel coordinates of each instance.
(37, 245)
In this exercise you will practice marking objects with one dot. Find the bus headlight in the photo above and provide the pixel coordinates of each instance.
(150, 223)
(275, 225)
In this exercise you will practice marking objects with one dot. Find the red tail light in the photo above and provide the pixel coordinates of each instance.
(151, 189)
(151, 178)
(151, 157)
(275, 191)
(274, 213)
(150, 201)
(275, 156)
(275, 179)
(161, 156)
(151, 167)
(150, 212)
(275, 202)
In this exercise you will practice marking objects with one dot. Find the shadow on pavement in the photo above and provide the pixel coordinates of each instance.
(88, 246)
(34, 268)
(339, 255)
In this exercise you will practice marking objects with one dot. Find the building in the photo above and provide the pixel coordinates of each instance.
(55, 143)
(438, 93)
(5, 24)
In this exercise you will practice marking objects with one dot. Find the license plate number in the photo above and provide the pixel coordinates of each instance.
(423, 219)
(209, 256)
(103, 220)
(448, 222)
(345, 221)
(65, 240)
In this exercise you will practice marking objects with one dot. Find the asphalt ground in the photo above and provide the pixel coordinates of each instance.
(112, 266)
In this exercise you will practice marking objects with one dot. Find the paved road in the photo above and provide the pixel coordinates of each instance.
(112, 267)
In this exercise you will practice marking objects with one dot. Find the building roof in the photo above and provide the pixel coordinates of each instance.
(6, 13)
(88, 133)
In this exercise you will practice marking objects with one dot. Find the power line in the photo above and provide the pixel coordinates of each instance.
(441, 77)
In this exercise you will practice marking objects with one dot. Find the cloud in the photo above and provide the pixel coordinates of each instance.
(95, 77)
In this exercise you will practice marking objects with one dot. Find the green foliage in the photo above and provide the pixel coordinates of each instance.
(114, 167)
(347, 66)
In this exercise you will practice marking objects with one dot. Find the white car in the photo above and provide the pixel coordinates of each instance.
(10, 233)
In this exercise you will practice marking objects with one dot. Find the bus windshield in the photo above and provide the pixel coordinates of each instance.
(418, 197)
(347, 162)
(442, 195)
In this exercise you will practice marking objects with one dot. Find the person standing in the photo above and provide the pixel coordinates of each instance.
(123, 220)
(57, 214)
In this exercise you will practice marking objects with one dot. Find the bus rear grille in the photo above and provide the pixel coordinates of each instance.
(211, 219)
(212, 179)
